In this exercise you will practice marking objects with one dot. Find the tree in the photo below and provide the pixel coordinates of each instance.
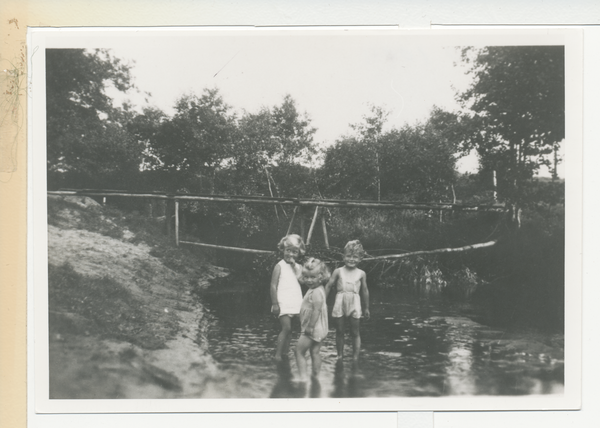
(346, 170)
(517, 111)
(414, 163)
(273, 142)
(419, 161)
(145, 128)
(87, 142)
(291, 132)
(190, 146)
(369, 134)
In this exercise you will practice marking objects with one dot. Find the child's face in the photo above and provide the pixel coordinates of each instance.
(311, 279)
(351, 260)
(290, 254)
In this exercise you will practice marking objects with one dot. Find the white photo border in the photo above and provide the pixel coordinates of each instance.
(40, 39)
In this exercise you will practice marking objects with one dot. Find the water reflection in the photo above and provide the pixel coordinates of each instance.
(339, 381)
(286, 387)
(411, 347)
(459, 370)
(315, 388)
(347, 385)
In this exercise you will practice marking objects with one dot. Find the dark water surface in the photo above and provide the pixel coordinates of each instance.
(411, 347)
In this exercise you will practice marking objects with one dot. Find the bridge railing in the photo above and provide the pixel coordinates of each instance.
(176, 198)
(243, 199)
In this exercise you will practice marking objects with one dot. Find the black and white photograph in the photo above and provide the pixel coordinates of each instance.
(268, 219)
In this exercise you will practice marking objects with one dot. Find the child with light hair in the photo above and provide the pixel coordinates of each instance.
(351, 285)
(313, 318)
(286, 294)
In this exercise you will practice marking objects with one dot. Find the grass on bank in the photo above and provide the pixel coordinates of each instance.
(103, 307)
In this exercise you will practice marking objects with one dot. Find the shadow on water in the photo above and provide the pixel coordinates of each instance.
(410, 347)
(286, 387)
(346, 386)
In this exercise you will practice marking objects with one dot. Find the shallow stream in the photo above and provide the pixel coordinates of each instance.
(411, 347)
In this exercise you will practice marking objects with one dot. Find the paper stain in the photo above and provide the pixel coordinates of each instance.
(12, 112)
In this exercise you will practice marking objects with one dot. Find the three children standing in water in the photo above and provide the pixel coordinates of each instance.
(287, 302)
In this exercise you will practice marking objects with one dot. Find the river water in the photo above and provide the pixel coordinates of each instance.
(411, 347)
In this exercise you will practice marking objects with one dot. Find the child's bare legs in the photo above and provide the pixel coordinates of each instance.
(339, 337)
(315, 356)
(304, 343)
(355, 329)
(284, 338)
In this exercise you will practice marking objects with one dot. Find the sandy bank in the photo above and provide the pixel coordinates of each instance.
(122, 323)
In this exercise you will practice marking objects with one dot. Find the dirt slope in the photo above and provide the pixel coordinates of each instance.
(122, 323)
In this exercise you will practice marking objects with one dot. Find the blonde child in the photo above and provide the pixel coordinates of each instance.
(349, 281)
(286, 295)
(313, 317)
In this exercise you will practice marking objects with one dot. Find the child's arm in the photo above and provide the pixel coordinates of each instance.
(317, 301)
(298, 269)
(274, 283)
(364, 291)
(331, 281)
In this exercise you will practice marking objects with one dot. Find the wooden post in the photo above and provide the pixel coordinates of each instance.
(495, 185)
(271, 192)
(168, 216)
(302, 225)
(177, 223)
(292, 221)
(312, 225)
(325, 232)
(555, 169)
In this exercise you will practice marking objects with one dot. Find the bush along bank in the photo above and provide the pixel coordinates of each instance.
(525, 281)
(424, 276)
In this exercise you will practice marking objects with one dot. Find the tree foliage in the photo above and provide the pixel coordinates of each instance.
(269, 146)
(189, 147)
(517, 110)
(422, 158)
(369, 134)
(292, 133)
(413, 163)
(87, 141)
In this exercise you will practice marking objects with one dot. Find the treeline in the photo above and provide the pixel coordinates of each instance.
(513, 117)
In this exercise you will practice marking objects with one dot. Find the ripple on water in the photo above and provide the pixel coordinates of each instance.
(409, 349)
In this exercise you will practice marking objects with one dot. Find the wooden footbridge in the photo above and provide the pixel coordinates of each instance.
(298, 204)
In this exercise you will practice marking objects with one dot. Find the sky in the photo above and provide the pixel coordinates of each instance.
(334, 76)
